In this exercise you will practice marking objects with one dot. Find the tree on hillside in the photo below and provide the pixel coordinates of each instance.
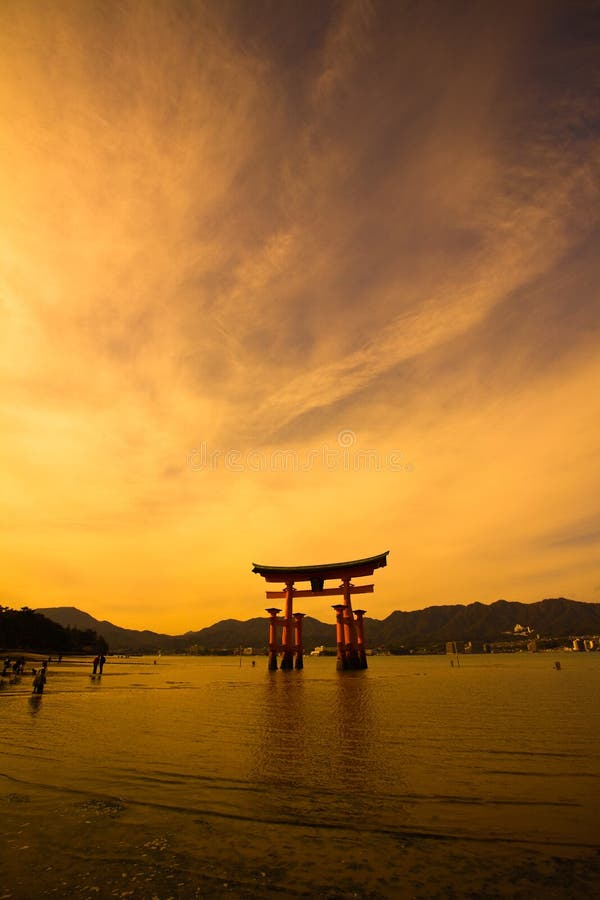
(25, 629)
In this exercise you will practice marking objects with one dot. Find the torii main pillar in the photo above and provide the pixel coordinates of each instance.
(350, 636)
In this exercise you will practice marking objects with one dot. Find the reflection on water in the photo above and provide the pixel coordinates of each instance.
(405, 734)
(34, 704)
(316, 744)
(354, 751)
(500, 749)
(284, 742)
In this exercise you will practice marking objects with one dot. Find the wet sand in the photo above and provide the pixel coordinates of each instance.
(104, 848)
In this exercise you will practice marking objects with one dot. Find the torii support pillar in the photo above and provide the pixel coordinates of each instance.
(299, 663)
(339, 636)
(273, 643)
(360, 637)
(287, 640)
(352, 660)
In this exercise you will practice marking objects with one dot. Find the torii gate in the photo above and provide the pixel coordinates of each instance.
(350, 636)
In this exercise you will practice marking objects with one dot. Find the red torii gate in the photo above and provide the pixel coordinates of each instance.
(350, 636)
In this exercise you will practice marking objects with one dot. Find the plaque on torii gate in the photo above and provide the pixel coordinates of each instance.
(350, 637)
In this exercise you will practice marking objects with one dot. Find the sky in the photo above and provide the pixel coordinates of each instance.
(296, 282)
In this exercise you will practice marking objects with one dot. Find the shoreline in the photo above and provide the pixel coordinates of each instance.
(98, 846)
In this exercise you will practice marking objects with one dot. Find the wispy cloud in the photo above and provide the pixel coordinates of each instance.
(257, 225)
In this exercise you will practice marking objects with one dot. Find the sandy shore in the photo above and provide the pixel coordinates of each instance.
(102, 848)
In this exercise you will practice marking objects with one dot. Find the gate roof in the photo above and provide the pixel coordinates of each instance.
(353, 568)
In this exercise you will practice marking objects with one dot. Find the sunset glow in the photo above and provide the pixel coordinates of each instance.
(293, 283)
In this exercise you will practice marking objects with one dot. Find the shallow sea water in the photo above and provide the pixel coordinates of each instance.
(201, 777)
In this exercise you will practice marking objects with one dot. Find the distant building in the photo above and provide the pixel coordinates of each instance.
(522, 629)
(455, 646)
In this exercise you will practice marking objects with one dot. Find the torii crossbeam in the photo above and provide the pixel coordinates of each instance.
(350, 636)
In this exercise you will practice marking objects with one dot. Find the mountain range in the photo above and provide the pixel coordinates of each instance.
(551, 618)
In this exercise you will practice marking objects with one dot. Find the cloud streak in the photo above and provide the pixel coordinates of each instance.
(257, 229)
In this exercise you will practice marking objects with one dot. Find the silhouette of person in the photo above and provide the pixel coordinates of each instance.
(101, 663)
(95, 665)
(40, 680)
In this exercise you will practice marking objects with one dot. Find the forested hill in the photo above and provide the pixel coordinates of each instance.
(556, 618)
(25, 629)
(117, 638)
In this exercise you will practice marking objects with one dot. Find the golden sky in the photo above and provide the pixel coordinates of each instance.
(297, 282)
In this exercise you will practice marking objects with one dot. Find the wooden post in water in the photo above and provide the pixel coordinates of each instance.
(360, 637)
(273, 644)
(299, 663)
(352, 661)
(339, 636)
(287, 640)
